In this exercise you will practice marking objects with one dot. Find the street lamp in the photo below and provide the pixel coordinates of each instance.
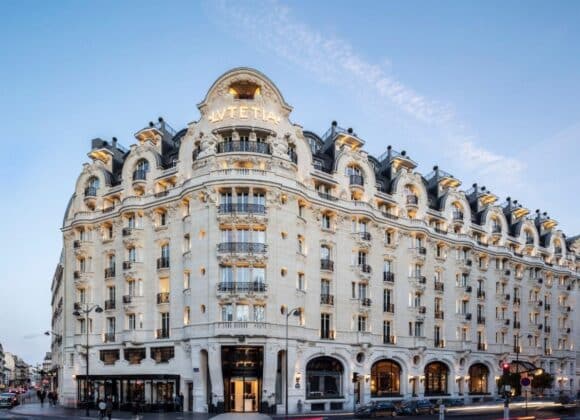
(536, 371)
(296, 312)
(86, 310)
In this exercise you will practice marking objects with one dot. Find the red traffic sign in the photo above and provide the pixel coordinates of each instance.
(525, 382)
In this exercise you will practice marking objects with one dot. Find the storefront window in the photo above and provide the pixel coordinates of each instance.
(324, 378)
(385, 379)
(436, 374)
(478, 374)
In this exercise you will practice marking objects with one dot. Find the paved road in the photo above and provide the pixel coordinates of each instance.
(483, 412)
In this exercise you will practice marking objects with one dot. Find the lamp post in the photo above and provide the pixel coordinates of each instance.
(296, 312)
(86, 310)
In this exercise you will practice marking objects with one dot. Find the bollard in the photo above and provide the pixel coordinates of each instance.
(506, 409)
(441, 411)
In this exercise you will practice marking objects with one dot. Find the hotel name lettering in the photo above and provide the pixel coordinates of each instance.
(243, 112)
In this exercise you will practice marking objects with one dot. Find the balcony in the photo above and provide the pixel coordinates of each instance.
(517, 301)
(128, 265)
(365, 268)
(481, 346)
(356, 181)
(365, 302)
(80, 276)
(458, 216)
(327, 265)
(109, 272)
(242, 287)
(547, 307)
(480, 294)
(162, 298)
(242, 247)
(547, 329)
(327, 335)
(364, 236)
(439, 315)
(244, 147)
(109, 305)
(464, 317)
(327, 196)
(90, 197)
(326, 299)
(389, 276)
(480, 320)
(128, 231)
(438, 343)
(109, 337)
(388, 339)
(242, 208)
(140, 175)
(389, 308)
(419, 281)
(127, 299)
(517, 325)
(439, 286)
(496, 230)
(162, 263)
(412, 200)
(161, 333)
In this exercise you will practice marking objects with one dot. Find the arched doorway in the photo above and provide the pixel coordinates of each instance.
(385, 379)
(324, 378)
(436, 378)
(478, 379)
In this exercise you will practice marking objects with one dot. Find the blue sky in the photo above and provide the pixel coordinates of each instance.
(488, 90)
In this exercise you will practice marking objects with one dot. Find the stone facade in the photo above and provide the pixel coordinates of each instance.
(197, 243)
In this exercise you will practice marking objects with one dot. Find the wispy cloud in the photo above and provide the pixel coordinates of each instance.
(273, 27)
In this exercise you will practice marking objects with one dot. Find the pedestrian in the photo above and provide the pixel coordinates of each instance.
(38, 394)
(50, 398)
(102, 408)
(109, 408)
(176, 402)
(55, 398)
(181, 401)
(42, 397)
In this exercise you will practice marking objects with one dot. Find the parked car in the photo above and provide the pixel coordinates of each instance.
(8, 399)
(376, 409)
(413, 408)
(454, 402)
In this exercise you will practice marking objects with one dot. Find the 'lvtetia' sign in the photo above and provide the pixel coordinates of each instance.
(243, 112)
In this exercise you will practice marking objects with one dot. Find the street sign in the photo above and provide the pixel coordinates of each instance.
(525, 382)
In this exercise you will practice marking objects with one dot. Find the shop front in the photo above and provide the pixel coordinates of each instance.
(242, 373)
(147, 392)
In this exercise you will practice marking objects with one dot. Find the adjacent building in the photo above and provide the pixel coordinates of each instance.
(242, 258)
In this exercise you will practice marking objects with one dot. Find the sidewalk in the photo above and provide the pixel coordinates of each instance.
(36, 410)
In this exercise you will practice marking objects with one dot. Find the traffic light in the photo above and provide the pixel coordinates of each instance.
(506, 368)
(354, 377)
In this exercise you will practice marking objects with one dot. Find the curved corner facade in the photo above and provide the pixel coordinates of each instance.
(215, 248)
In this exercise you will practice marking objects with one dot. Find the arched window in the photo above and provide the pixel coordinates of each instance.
(93, 185)
(324, 378)
(436, 378)
(457, 212)
(385, 379)
(478, 375)
(141, 169)
(355, 175)
(410, 193)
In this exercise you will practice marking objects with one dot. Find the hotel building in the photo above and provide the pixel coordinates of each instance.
(213, 248)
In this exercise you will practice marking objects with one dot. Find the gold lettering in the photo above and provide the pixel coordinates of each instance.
(243, 112)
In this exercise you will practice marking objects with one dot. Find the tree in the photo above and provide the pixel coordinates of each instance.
(543, 381)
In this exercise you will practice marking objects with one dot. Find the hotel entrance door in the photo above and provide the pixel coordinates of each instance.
(244, 394)
(242, 370)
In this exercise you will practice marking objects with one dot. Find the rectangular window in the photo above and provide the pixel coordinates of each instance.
(242, 313)
(227, 312)
(301, 285)
(259, 313)
(186, 280)
(325, 325)
(362, 323)
(165, 323)
(131, 322)
(111, 325)
(227, 274)
(259, 275)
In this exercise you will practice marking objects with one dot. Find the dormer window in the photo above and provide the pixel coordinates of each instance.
(92, 186)
(141, 169)
(244, 90)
